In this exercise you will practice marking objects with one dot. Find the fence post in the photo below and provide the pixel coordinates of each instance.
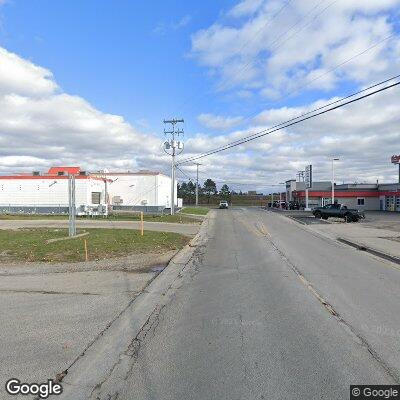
(86, 251)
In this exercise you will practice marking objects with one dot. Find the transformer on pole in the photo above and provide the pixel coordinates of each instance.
(173, 147)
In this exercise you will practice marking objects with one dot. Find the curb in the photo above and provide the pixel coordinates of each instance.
(98, 369)
(294, 219)
(370, 250)
(200, 217)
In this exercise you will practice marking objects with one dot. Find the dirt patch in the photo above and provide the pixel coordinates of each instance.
(137, 263)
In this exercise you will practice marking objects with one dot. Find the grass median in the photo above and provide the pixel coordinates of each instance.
(177, 218)
(29, 245)
(195, 210)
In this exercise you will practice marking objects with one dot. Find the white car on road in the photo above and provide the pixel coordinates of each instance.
(223, 204)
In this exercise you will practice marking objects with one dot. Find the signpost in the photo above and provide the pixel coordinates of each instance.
(395, 159)
(308, 183)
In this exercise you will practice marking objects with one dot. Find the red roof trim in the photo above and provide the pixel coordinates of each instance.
(68, 170)
(347, 194)
(338, 194)
(128, 173)
(52, 177)
(388, 193)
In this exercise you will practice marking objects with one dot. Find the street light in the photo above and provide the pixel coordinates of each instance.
(333, 179)
(280, 195)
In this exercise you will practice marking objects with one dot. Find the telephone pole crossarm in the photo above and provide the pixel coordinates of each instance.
(173, 147)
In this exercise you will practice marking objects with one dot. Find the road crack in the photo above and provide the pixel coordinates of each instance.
(343, 323)
(110, 387)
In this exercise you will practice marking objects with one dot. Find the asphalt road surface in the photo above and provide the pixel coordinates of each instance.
(269, 310)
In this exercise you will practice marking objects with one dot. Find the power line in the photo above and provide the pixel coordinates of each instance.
(280, 36)
(249, 63)
(184, 173)
(330, 70)
(309, 22)
(227, 181)
(297, 120)
(297, 31)
(252, 39)
(321, 107)
(326, 72)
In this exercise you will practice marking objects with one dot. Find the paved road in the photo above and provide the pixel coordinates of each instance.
(271, 311)
(185, 229)
(47, 320)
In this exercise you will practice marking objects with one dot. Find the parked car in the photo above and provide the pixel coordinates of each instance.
(294, 205)
(338, 211)
(223, 204)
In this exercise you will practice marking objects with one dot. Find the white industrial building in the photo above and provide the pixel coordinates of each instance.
(143, 190)
(95, 193)
(48, 193)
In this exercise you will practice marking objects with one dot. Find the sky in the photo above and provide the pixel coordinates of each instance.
(89, 83)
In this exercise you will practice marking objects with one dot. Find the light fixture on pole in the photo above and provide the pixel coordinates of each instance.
(280, 195)
(333, 179)
(308, 183)
(173, 147)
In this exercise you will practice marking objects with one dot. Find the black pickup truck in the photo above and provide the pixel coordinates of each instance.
(338, 211)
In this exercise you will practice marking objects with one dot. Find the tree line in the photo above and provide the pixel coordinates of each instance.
(187, 191)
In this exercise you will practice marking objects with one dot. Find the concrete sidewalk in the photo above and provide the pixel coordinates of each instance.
(51, 313)
(382, 240)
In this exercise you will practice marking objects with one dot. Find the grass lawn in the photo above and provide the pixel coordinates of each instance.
(30, 244)
(195, 210)
(177, 218)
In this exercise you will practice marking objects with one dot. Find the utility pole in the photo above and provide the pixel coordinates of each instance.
(197, 183)
(72, 206)
(173, 147)
(333, 179)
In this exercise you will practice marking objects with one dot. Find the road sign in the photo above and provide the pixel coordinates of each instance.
(395, 159)
(308, 176)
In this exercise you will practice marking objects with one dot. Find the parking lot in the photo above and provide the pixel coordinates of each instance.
(373, 219)
(382, 220)
(304, 217)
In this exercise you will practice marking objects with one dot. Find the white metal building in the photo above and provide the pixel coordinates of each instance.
(95, 193)
(143, 190)
(48, 193)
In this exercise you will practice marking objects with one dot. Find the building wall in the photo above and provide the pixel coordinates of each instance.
(164, 190)
(370, 203)
(48, 191)
(151, 190)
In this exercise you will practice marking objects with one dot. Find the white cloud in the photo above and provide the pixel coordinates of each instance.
(277, 53)
(363, 135)
(218, 122)
(254, 50)
(245, 7)
(20, 76)
(40, 126)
